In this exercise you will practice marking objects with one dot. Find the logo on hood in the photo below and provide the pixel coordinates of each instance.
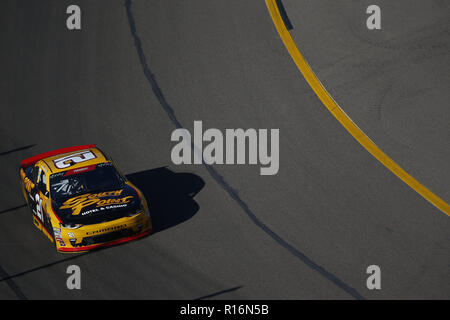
(86, 200)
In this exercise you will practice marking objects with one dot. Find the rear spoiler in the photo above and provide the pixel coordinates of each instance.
(31, 161)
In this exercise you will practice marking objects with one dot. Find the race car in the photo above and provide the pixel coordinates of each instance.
(80, 201)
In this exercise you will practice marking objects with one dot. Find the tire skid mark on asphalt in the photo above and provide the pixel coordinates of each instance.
(219, 179)
(6, 277)
(14, 287)
(4, 153)
(13, 208)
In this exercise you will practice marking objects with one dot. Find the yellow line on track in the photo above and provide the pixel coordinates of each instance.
(345, 120)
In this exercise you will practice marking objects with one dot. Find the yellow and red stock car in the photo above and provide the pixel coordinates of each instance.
(80, 201)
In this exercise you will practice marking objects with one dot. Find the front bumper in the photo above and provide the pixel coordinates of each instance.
(103, 245)
(102, 235)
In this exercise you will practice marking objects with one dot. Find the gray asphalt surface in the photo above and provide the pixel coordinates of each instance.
(308, 232)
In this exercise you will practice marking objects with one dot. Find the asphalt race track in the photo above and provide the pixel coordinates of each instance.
(139, 69)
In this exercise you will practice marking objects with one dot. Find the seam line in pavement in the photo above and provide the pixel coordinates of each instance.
(11, 284)
(219, 179)
(343, 118)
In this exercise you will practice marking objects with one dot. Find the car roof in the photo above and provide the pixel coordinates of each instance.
(73, 160)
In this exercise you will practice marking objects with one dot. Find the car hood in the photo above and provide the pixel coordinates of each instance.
(96, 207)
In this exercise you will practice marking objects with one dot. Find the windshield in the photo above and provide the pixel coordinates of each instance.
(101, 177)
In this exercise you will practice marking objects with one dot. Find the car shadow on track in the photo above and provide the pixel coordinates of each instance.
(170, 195)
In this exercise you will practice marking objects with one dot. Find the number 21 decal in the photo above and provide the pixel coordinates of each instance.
(39, 207)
